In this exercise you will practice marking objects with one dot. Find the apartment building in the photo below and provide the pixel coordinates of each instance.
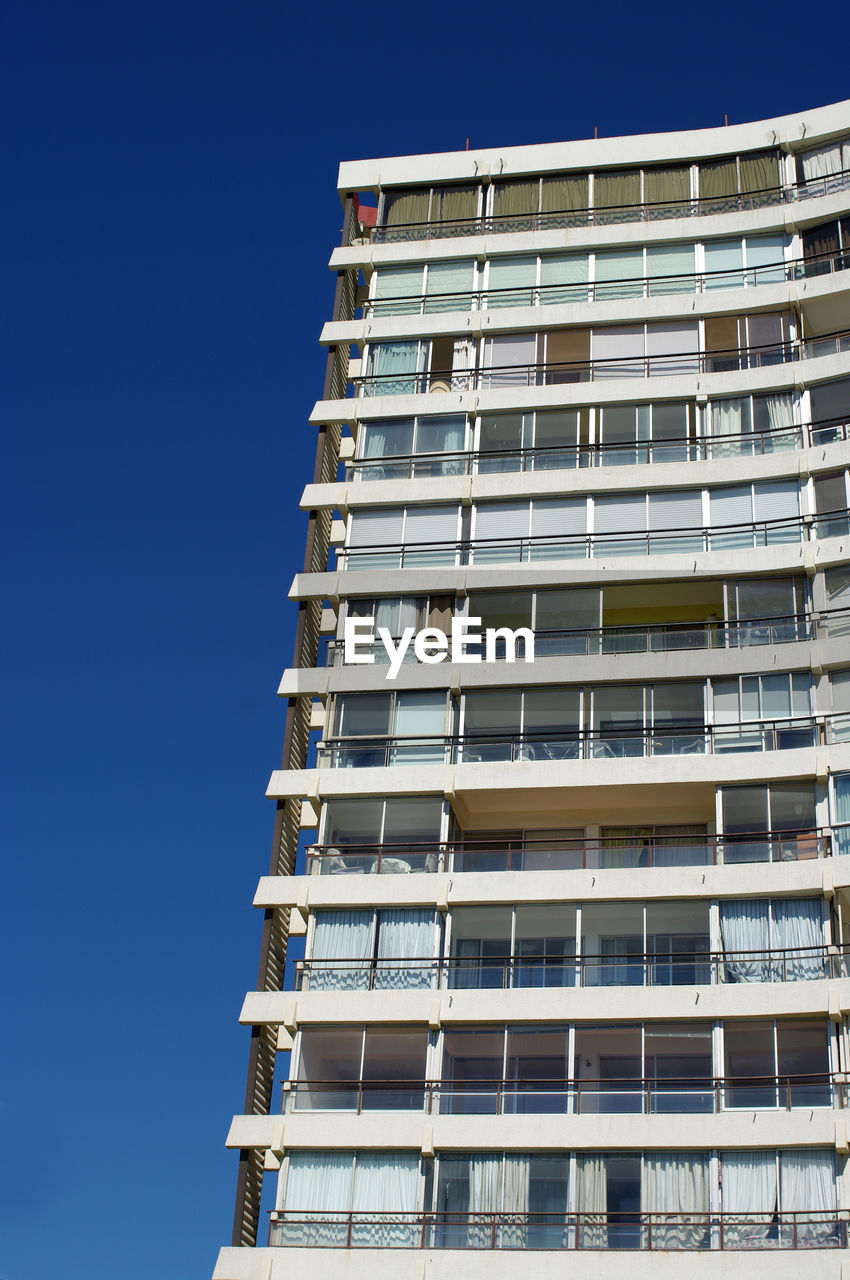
(554, 955)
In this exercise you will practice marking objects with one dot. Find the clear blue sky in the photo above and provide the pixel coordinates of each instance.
(169, 208)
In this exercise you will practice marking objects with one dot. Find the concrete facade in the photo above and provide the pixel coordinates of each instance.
(567, 940)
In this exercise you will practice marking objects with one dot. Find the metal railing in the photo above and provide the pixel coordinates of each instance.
(692, 1230)
(582, 744)
(749, 444)
(586, 546)
(673, 637)
(811, 188)
(686, 1094)
(470, 855)
(536, 295)
(563, 372)
(526, 972)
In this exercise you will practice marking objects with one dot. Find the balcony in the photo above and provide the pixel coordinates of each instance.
(565, 855)
(780, 272)
(587, 546)
(627, 1230)
(675, 637)
(751, 444)
(582, 744)
(697, 967)
(687, 1094)
(562, 372)
(811, 189)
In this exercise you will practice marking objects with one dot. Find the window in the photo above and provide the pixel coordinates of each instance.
(387, 537)
(399, 438)
(380, 1189)
(755, 174)
(781, 1062)
(830, 409)
(392, 368)
(824, 163)
(747, 425)
(423, 204)
(772, 940)
(831, 505)
(373, 950)
(382, 835)
(771, 509)
(530, 724)
(645, 432)
(546, 440)
(783, 1197)
(361, 1068)
(391, 718)
(783, 814)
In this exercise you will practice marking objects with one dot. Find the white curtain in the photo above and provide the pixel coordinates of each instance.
(797, 923)
(485, 1197)
(386, 1195)
(675, 1183)
(749, 1187)
(823, 162)
(841, 782)
(341, 936)
(807, 1189)
(515, 1182)
(745, 927)
(405, 939)
(592, 1198)
(318, 1184)
(395, 363)
(780, 409)
(727, 419)
(463, 363)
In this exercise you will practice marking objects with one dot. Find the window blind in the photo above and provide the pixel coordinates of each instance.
(377, 528)
(431, 524)
(449, 278)
(625, 513)
(515, 274)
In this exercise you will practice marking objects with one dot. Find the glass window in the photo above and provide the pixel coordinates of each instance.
(493, 712)
(501, 608)
(362, 715)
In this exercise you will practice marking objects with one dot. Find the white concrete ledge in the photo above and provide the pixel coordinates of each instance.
(550, 1004)
(733, 382)
(629, 884)
(511, 1264)
(797, 131)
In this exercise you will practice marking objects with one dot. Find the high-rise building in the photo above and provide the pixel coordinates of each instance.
(554, 952)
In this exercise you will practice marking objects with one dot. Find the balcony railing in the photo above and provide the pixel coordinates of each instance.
(687, 1094)
(542, 295)
(566, 855)
(588, 546)
(810, 189)
(582, 744)
(562, 372)
(655, 969)
(674, 637)
(569, 457)
(799, 1229)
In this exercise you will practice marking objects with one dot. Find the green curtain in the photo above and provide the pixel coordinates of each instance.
(760, 172)
(613, 189)
(405, 206)
(666, 184)
(514, 198)
(564, 195)
(718, 178)
(454, 204)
